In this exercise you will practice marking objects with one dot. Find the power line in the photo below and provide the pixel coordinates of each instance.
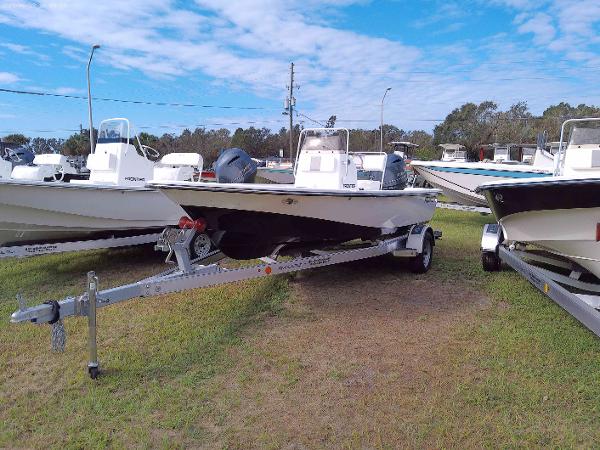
(149, 127)
(135, 102)
(309, 118)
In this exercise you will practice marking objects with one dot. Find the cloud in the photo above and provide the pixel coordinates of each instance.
(541, 27)
(246, 46)
(67, 91)
(23, 50)
(8, 78)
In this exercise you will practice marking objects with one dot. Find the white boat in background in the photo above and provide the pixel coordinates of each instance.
(113, 202)
(327, 204)
(559, 213)
(453, 152)
(404, 149)
(459, 180)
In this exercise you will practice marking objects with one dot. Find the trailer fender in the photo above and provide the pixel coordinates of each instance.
(416, 237)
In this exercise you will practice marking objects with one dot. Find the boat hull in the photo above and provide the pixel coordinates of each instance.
(48, 212)
(459, 181)
(249, 221)
(560, 215)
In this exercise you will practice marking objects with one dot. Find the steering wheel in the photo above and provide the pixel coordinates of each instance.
(13, 155)
(59, 175)
(151, 152)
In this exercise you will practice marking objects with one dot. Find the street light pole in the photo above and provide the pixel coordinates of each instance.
(381, 129)
(94, 47)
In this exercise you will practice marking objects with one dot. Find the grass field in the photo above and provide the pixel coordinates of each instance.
(238, 366)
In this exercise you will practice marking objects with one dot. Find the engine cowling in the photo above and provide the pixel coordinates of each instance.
(395, 176)
(234, 165)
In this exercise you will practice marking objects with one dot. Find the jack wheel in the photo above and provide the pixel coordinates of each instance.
(490, 261)
(201, 246)
(94, 372)
(422, 262)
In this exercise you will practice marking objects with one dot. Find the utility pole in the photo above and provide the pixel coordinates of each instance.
(94, 47)
(381, 129)
(290, 103)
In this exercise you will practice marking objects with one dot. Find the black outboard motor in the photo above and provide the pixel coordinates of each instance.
(234, 165)
(395, 176)
(19, 156)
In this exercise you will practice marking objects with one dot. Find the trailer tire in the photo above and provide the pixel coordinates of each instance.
(490, 261)
(200, 246)
(422, 262)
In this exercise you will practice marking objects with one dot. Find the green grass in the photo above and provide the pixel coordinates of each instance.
(533, 369)
(158, 353)
(524, 372)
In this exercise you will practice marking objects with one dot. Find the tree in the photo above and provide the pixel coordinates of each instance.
(252, 140)
(515, 125)
(331, 122)
(40, 145)
(470, 125)
(16, 138)
(77, 144)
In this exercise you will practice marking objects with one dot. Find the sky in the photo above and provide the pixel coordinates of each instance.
(228, 60)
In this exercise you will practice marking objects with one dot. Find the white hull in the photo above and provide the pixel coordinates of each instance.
(459, 181)
(568, 232)
(376, 209)
(39, 212)
(277, 176)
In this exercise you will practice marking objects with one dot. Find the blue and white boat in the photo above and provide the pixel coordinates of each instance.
(459, 180)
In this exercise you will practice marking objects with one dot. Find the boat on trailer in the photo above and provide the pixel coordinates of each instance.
(549, 229)
(327, 204)
(560, 212)
(113, 203)
(326, 193)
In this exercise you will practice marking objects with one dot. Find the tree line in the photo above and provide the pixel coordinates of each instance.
(471, 125)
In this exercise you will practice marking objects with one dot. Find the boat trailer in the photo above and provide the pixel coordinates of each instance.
(23, 251)
(417, 244)
(579, 298)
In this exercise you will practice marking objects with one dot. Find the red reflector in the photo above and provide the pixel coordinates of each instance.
(199, 225)
(597, 232)
(185, 223)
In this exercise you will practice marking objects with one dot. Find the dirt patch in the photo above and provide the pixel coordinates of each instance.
(357, 359)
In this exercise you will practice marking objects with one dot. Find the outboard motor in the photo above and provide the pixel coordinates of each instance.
(395, 176)
(234, 165)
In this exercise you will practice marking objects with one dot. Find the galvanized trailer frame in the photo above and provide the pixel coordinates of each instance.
(24, 251)
(417, 243)
(565, 290)
(464, 208)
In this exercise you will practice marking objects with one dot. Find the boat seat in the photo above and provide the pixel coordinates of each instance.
(178, 167)
(373, 163)
(102, 161)
(182, 159)
(44, 166)
(582, 158)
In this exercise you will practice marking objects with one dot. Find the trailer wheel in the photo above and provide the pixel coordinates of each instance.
(200, 246)
(422, 262)
(490, 261)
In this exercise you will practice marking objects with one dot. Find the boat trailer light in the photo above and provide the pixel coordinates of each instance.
(185, 223)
